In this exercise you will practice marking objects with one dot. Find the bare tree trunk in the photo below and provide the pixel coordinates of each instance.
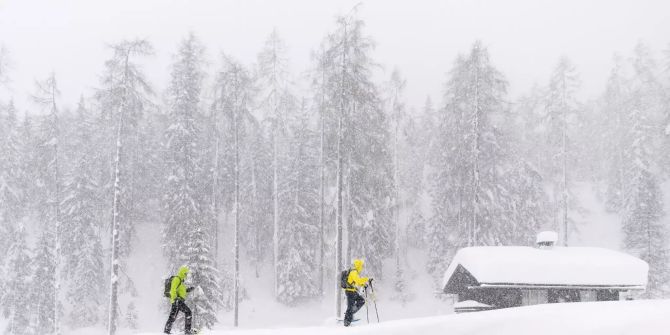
(565, 161)
(475, 166)
(396, 180)
(215, 188)
(257, 230)
(113, 301)
(340, 134)
(237, 219)
(275, 212)
(115, 243)
(58, 219)
(322, 186)
(338, 248)
(322, 183)
(565, 179)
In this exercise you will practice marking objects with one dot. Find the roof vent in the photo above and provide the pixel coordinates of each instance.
(546, 239)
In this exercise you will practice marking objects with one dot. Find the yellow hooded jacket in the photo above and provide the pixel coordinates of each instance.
(177, 288)
(355, 278)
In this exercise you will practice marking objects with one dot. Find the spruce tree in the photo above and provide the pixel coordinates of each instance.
(645, 234)
(42, 302)
(16, 308)
(122, 98)
(276, 101)
(562, 111)
(50, 175)
(186, 239)
(83, 253)
(359, 133)
(12, 176)
(298, 258)
(618, 122)
(398, 121)
(233, 87)
(466, 185)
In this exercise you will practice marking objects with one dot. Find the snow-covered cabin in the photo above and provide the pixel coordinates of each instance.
(502, 276)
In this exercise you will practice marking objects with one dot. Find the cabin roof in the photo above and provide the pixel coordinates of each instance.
(582, 267)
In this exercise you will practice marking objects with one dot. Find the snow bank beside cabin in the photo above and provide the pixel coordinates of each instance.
(594, 318)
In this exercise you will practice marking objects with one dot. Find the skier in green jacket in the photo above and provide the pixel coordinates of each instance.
(178, 292)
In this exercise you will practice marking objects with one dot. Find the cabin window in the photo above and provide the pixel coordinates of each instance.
(534, 297)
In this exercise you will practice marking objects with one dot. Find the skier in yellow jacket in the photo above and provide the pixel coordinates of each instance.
(354, 300)
(178, 292)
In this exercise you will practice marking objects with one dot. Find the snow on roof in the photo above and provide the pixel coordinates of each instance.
(557, 266)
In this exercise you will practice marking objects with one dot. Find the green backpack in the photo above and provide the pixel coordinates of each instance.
(168, 286)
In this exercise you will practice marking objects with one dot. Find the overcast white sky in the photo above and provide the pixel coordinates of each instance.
(421, 38)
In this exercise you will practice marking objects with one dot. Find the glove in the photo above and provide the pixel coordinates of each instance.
(370, 280)
(189, 289)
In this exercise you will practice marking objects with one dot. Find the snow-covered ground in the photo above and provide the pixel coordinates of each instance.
(594, 318)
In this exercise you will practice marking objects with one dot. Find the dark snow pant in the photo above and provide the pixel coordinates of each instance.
(179, 305)
(354, 303)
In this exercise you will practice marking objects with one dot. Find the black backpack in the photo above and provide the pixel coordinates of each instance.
(168, 286)
(344, 279)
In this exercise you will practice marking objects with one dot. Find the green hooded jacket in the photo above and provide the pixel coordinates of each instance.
(177, 288)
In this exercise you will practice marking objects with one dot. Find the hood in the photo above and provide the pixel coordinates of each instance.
(183, 271)
(358, 265)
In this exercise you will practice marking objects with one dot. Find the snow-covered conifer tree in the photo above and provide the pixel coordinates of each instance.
(16, 290)
(298, 256)
(122, 98)
(645, 233)
(83, 254)
(618, 122)
(466, 155)
(398, 117)
(366, 168)
(43, 284)
(50, 174)
(233, 89)
(12, 176)
(324, 111)
(275, 102)
(562, 109)
(186, 231)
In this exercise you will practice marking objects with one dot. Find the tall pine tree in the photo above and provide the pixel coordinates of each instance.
(186, 238)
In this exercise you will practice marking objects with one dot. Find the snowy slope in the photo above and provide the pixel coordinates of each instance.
(596, 318)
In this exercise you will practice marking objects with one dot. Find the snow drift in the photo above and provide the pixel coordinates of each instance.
(593, 318)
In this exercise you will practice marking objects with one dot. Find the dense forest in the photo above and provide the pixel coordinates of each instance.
(310, 170)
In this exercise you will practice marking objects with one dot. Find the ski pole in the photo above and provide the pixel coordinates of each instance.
(367, 309)
(374, 300)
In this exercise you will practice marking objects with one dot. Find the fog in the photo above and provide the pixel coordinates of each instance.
(264, 162)
(421, 38)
